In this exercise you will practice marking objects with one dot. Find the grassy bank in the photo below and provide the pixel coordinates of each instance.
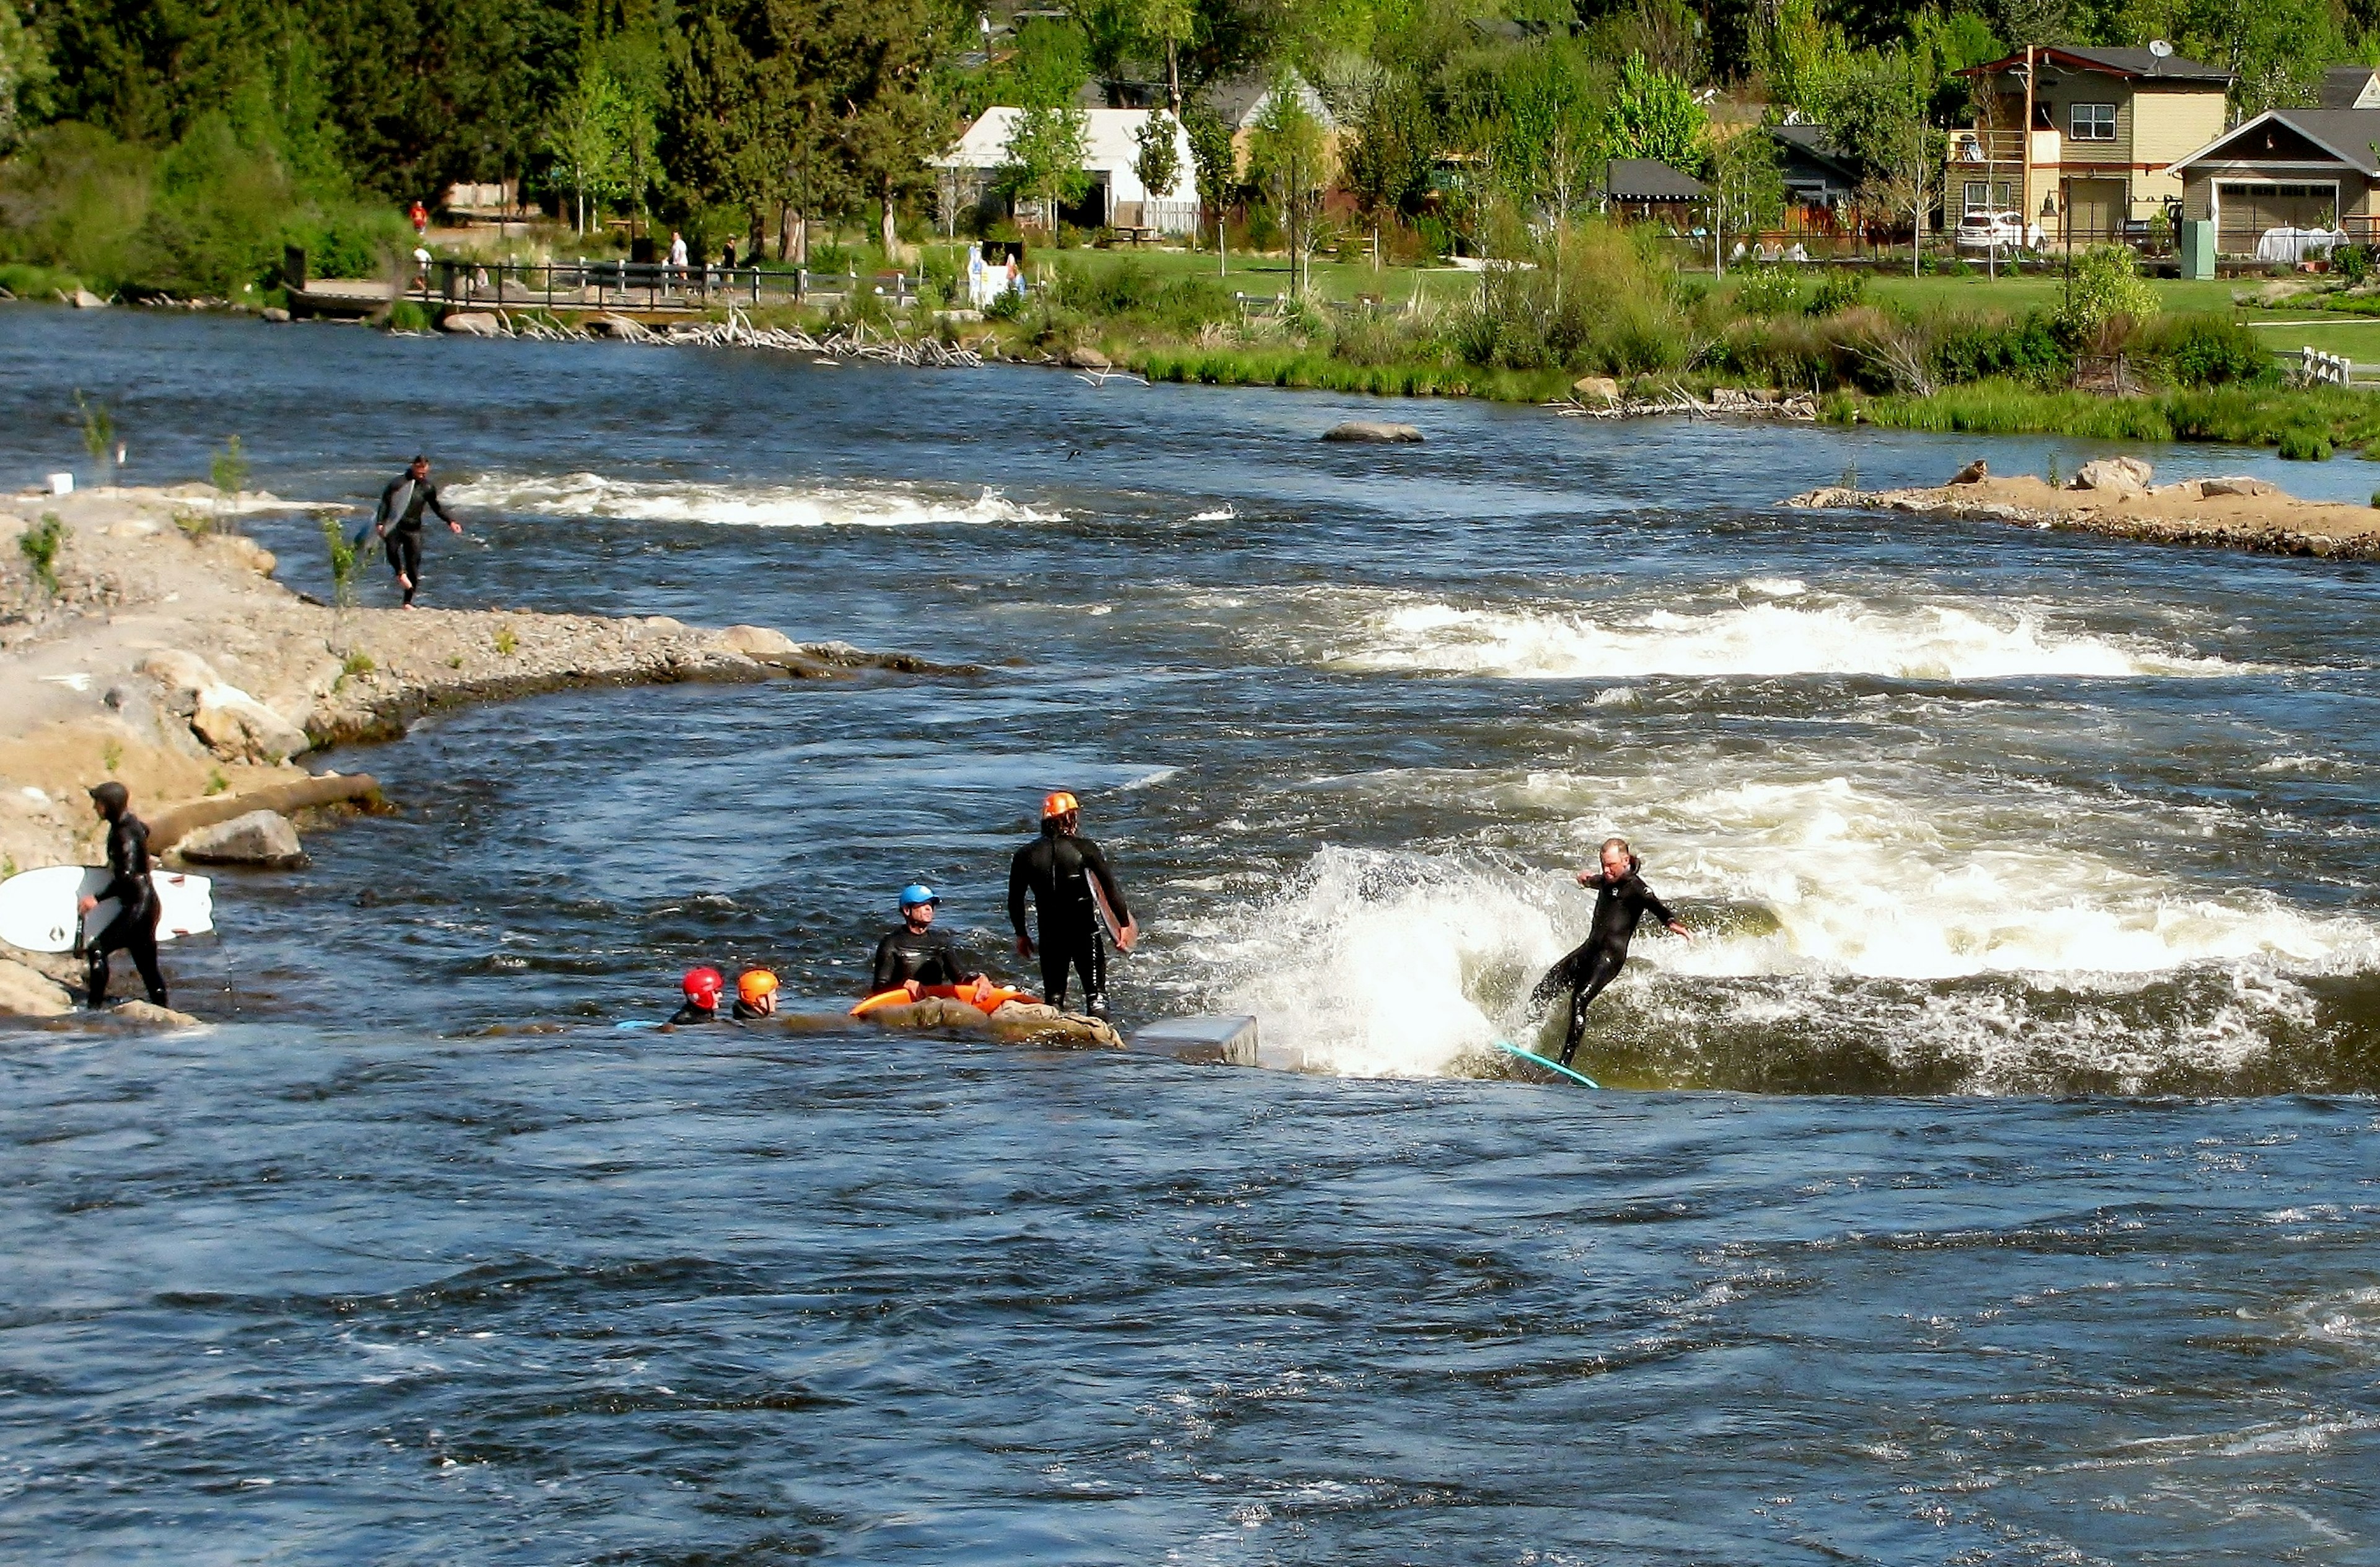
(2303, 422)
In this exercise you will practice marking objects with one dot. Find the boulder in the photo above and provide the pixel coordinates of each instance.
(245, 550)
(28, 992)
(261, 837)
(1595, 389)
(471, 323)
(1036, 1022)
(183, 676)
(237, 727)
(277, 315)
(759, 642)
(2236, 484)
(1973, 473)
(1086, 358)
(2121, 476)
(1376, 431)
(84, 299)
(145, 1015)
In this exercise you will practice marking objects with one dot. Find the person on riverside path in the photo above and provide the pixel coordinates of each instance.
(756, 995)
(1065, 876)
(134, 929)
(1622, 899)
(397, 523)
(703, 988)
(913, 954)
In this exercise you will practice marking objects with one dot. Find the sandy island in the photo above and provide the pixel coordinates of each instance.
(2112, 496)
(169, 658)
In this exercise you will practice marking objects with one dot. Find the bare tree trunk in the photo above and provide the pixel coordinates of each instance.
(892, 237)
(1173, 77)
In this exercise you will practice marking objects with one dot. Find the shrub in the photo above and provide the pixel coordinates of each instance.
(1770, 291)
(2106, 292)
(2352, 262)
(1837, 292)
(1006, 305)
(2208, 350)
(2031, 350)
(40, 545)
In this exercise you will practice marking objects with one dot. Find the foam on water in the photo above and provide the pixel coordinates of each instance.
(1775, 627)
(1823, 905)
(739, 505)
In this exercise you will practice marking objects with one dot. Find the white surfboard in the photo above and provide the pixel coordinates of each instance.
(37, 908)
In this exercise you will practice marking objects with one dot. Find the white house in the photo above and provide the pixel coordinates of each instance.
(1115, 198)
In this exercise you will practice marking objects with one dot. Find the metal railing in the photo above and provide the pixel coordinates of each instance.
(640, 286)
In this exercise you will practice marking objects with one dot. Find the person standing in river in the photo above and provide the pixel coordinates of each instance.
(1068, 877)
(397, 523)
(1621, 901)
(134, 926)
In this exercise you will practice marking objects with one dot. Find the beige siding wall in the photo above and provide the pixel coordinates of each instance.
(2170, 123)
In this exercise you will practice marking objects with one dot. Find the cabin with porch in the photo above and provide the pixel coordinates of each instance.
(2082, 141)
(969, 176)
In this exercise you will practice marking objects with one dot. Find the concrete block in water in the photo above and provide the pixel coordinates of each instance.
(1203, 1041)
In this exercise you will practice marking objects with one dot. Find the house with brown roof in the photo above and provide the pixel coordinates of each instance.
(2082, 141)
(2284, 176)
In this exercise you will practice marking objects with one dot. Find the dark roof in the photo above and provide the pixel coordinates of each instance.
(2137, 63)
(1811, 146)
(1649, 179)
(2342, 85)
(2344, 134)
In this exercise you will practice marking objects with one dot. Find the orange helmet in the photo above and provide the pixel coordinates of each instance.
(1059, 803)
(756, 985)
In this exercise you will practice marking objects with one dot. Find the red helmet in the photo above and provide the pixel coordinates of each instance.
(704, 985)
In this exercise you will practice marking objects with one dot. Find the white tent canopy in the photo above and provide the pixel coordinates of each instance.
(1110, 147)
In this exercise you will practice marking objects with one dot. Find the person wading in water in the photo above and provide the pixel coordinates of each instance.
(398, 523)
(134, 928)
(1066, 876)
(1621, 900)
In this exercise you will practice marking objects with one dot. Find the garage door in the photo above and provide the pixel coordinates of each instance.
(2247, 209)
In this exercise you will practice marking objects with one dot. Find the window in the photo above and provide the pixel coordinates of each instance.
(2092, 122)
(1978, 196)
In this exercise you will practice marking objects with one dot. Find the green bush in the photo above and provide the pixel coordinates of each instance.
(1770, 291)
(1837, 292)
(2030, 349)
(2207, 350)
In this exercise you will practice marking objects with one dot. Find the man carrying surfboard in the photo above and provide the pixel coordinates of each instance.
(1621, 900)
(134, 926)
(1073, 894)
(397, 521)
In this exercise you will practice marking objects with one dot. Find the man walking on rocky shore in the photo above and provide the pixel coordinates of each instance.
(397, 523)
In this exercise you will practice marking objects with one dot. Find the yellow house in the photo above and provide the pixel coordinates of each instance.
(2082, 141)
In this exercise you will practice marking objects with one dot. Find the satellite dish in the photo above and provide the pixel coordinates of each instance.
(2160, 48)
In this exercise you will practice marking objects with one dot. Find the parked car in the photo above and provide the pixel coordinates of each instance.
(2002, 230)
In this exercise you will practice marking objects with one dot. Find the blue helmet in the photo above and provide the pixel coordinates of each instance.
(918, 892)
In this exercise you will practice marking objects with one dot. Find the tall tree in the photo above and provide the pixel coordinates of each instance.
(1654, 115)
(1394, 147)
(588, 135)
(1289, 158)
(1044, 156)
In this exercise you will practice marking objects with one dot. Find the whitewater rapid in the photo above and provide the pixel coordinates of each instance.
(875, 504)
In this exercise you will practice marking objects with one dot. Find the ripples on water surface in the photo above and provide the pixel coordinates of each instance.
(376, 1275)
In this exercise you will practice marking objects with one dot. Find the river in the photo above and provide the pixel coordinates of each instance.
(1990, 1181)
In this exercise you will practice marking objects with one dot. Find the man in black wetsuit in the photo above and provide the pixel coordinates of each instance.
(134, 928)
(1066, 876)
(1621, 900)
(397, 523)
(703, 987)
(913, 954)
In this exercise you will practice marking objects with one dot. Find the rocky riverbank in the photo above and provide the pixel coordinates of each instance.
(2114, 497)
(156, 648)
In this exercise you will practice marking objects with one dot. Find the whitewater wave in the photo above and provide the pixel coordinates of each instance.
(739, 505)
(1785, 629)
(1825, 909)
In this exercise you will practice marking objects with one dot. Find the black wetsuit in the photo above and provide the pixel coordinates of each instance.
(400, 516)
(744, 1012)
(1057, 869)
(134, 929)
(929, 956)
(1620, 905)
(690, 1013)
